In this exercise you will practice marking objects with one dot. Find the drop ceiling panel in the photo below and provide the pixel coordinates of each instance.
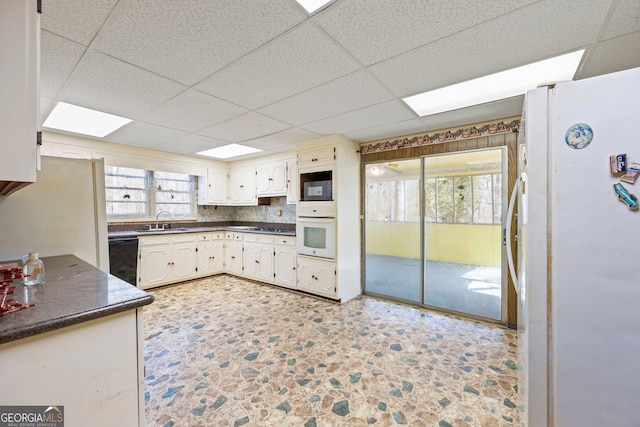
(384, 28)
(624, 20)
(192, 110)
(352, 92)
(620, 53)
(75, 20)
(502, 43)
(390, 111)
(247, 126)
(59, 57)
(299, 60)
(144, 134)
(388, 130)
(190, 144)
(281, 141)
(478, 113)
(204, 35)
(292, 69)
(107, 84)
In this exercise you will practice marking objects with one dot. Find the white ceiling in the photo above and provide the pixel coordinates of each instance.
(198, 74)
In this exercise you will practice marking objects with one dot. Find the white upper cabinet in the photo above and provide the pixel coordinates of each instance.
(242, 186)
(19, 89)
(212, 189)
(272, 179)
(293, 188)
(320, 154)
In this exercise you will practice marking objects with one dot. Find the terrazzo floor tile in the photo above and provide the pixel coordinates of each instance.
(223, 351)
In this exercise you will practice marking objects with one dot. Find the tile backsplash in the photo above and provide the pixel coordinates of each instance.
(260, 213)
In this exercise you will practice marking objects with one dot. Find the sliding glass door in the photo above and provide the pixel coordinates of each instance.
(392, 230)
(433, 231)
(463, 232)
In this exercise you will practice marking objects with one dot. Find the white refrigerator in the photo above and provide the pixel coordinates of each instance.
(579, 255)
(63, 212)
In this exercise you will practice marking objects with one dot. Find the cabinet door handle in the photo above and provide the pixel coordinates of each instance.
(233, 257)
(257, 262)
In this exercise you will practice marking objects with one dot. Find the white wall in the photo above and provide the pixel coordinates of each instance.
(58, 214)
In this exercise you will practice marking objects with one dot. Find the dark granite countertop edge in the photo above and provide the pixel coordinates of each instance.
(74, 319)
(134, 230)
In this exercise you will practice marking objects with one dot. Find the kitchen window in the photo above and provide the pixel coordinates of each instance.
(138, 194)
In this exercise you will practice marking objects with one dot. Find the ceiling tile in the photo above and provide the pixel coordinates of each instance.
(384, 28)
(192, 110)
(352, 92)
(247, 126)
(190, 144)
(205, 35)
(477, 114)
(77, 20)
(390, 111)
(620, 53)
(281, 141)
(143, 134)
(527, 35)
(59, 57)
(107, 84)
(625, 19)
(389, 130)
(299, 60)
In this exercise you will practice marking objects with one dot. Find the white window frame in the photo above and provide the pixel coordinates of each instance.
(151, 206)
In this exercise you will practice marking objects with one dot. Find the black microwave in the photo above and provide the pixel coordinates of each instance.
(314, 191)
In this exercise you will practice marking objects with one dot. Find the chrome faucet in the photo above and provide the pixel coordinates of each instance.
(158, 215)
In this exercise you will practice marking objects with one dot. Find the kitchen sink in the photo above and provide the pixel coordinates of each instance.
(161, 230)
(241, 227)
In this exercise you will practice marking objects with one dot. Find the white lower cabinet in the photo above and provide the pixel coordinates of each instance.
(233, 253)
(210, 253)
(257, 257)
(317, 276)
(171, 258)
(284, 261)
(166, 259)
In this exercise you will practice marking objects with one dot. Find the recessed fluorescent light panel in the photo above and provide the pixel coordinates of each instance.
(502, 85)
(72, 118)
(312, 5)
(228, 151)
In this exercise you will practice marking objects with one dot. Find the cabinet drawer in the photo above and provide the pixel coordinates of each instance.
(285, 240)
(205, 237)
(317, 209)
(153, 240)
(265, 239)
(184, 238)
(233, 236)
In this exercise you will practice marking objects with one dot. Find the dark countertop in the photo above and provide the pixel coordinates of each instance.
(74, 292)
(206, 229)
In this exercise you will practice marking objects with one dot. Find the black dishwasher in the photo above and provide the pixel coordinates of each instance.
(123, 259)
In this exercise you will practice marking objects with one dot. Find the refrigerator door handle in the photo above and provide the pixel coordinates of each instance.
(507, 236)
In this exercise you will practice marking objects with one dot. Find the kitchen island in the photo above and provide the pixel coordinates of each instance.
(80, 346)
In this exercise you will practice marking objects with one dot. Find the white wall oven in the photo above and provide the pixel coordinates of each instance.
(316, 237)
